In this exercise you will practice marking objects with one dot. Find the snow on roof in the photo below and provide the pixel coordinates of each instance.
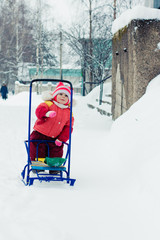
(138, 12)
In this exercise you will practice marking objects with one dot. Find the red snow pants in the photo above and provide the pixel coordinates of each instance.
(54, 151)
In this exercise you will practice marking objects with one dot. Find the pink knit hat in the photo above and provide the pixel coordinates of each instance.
(61, 88)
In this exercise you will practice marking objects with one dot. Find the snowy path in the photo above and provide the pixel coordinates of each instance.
(116, 195)
(43, 210)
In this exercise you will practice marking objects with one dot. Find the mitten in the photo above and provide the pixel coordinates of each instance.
(51, 114)
(58, 143)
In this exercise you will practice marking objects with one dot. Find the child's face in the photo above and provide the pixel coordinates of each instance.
(62, 98)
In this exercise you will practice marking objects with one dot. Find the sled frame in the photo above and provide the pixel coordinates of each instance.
(27, 179)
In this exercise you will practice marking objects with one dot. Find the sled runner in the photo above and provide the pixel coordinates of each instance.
(47, 169)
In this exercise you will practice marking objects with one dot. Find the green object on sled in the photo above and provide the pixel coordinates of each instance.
(54, 162)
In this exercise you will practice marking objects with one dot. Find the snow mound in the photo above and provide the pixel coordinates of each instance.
(138, 12)
(134, 141)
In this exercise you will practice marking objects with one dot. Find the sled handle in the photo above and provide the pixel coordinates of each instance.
(29, 120)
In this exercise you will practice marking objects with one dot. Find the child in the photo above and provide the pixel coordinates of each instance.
(53, 123)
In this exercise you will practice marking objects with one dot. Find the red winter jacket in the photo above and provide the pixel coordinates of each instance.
(57, 127)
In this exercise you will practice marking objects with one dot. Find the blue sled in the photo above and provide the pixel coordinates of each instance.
(42, 171)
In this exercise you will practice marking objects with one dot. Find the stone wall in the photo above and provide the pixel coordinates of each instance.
(136, 60)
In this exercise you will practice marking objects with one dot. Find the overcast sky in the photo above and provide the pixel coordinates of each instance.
(65, 12)
(62, 11)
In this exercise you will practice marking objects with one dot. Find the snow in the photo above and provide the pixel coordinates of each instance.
(158, 47)
(93, 97)
(138, 12)
(116, 164)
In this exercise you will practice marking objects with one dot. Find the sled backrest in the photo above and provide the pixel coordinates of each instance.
(29, 121)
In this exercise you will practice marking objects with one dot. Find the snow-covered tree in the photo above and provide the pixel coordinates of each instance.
(17, 44)
(18, 26)
(90, 38)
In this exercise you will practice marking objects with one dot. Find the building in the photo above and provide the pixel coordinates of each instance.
(152, 3)
(30, 72)
(27, 72)
(73, 75)
(96, 61)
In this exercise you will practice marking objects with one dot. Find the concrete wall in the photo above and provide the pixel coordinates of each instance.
(136, 60)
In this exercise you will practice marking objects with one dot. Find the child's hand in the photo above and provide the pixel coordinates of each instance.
(51, 114)
(58, 142)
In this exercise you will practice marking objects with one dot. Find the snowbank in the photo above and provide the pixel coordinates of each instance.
(93, 97)
(135, 139)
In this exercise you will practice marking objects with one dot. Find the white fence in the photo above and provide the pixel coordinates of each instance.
(39, 87)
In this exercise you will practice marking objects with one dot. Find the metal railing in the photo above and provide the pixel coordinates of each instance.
(96, 83)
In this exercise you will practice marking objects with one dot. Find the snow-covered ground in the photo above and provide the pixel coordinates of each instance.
(116, 164)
